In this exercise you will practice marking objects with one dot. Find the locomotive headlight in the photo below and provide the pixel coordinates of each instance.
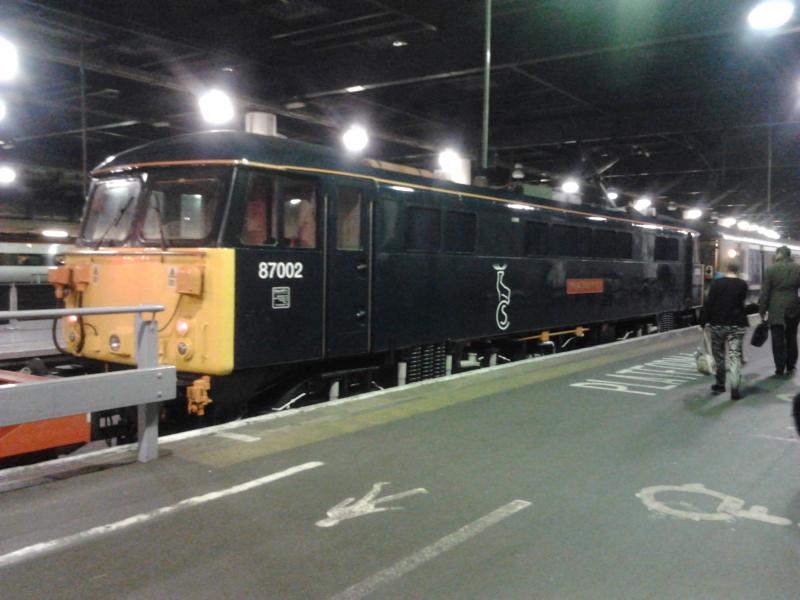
(732, 253)
(182, 327)
(114, 343)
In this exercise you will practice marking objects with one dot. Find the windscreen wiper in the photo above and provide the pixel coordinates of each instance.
(160, 216)
(116, 221)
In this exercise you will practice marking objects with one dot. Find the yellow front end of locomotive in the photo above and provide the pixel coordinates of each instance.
(196, 287)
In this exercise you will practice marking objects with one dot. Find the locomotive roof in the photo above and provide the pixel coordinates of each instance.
(237, 147)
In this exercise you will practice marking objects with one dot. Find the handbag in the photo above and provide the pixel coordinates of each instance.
(704, 359)
(760, 334)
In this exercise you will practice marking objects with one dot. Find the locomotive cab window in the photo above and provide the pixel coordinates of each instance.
(182, 208)
(299, 203)
(280, 211)
(260, 227)
(423, 228)
(111, 210)
(460, 231)
(348, 224)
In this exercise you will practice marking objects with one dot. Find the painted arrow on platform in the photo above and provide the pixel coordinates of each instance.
(351, 508)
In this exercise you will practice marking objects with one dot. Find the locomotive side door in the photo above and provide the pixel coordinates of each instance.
(348, 267)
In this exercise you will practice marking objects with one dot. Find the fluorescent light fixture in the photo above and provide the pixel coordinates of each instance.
(571, 186)
(295, 201)
(355, 139)
(401, 188)
(743, 225)
(648, 226)
(642, 204)
(353, 89)
(54, 233)
(728, 222)
(296, 105)
(692, 214)
(612, 196)
(449, 160)
(601, 219)
(768, 244)
(9, 61)
(216, 107)
(399, 43)
(7, 175)
(516, 206)
(770, 14)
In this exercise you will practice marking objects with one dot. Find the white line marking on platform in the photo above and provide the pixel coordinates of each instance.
(530, 362)
(409, 563)
(775, 437)
(60, 543)
(729, 509)
(239, 437)
(350, 508)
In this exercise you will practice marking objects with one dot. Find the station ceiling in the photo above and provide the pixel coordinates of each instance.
(674, 98)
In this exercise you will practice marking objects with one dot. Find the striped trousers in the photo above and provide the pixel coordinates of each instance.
(733, 335)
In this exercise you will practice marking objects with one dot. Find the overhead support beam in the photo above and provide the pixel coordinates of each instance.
(574, 55)
(174, 85)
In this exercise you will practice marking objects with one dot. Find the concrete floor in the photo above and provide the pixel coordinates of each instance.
(512, 484)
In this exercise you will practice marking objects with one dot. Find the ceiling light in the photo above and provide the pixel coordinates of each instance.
(216, 107)
(518, 172)
(399, 43)
(7, 175)
(355, 139)
(571, 186)
(642, 204)
(401, 188)
(296, 105)
(9, 62)
(692, 214)
(743, 225)
(54, 233)
(612, 196)
(770, 14)
(355, 88)
(295, 201)
(753, 227)
(449, 160)
(728, 222)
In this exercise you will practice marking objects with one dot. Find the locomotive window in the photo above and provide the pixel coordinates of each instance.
(460, 231)
(624, 245)
(535, 239)
(666, 248)
(299, 201)
(348, 223)
(260, 227)
(423, 228)
(181, 208)
(567, 240)
(604, 243)
(111, 209)
(22, 260)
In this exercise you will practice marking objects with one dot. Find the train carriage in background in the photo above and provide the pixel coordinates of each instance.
(279, 262)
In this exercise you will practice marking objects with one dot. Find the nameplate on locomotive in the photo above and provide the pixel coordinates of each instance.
(584, 286)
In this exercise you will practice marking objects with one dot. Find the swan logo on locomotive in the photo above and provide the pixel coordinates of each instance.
(503, 299)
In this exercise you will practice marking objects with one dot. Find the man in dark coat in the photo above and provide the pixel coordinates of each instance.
(780, 305)
(726, 314)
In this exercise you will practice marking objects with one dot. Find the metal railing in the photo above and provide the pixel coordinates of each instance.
(145, 387)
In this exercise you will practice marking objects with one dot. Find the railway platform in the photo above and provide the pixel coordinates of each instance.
(611, 472)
